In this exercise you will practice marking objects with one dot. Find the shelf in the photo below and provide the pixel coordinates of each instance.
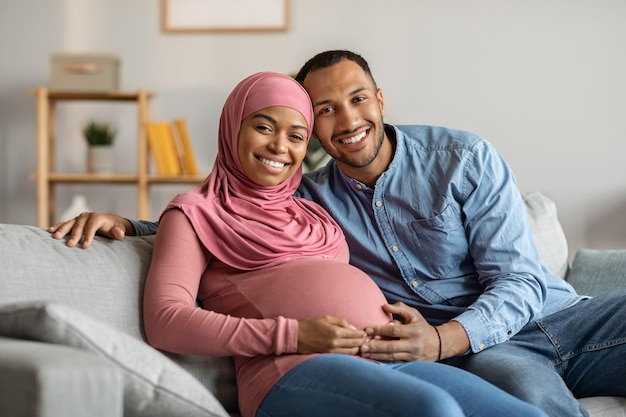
(179, 179)
(46, 175)
(92, 178)
(60, 177)
(131, 96)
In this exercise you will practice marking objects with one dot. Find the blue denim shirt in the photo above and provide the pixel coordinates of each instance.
(445, 230)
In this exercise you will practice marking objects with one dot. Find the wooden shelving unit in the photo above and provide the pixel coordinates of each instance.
(47, 177)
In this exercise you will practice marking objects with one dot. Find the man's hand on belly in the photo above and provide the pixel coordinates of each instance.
(414, 339)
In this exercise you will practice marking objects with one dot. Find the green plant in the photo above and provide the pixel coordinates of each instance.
(99, 134)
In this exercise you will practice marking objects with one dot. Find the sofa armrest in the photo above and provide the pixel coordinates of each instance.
(595, 272)
(45, 380)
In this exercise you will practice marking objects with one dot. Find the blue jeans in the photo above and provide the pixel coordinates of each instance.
(574, 353)
(347, 386)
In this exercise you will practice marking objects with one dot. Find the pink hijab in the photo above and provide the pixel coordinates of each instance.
(243, 224)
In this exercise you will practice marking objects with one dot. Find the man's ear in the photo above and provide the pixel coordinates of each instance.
(381, 101)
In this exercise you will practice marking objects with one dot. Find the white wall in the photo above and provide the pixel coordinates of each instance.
(544, 80)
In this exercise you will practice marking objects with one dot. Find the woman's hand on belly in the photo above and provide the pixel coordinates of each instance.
(328, 334)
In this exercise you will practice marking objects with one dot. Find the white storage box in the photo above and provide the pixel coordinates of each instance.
(84, 72)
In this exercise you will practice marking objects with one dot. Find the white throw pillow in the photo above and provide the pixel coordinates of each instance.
(548, 233)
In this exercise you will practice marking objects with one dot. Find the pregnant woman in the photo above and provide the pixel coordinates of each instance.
(271, 276)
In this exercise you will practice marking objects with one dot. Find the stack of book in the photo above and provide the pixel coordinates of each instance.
(170, 146)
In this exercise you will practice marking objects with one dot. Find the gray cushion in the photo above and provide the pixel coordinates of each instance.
(106, 280)
(153, 385)
(598, 271)
(548, 233)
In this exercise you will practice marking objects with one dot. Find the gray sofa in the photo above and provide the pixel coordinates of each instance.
(72, 342)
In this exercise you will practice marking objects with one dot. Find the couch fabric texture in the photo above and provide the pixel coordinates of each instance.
(72, 342)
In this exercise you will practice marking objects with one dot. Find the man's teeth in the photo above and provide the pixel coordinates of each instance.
(272, 163)
(354, 139)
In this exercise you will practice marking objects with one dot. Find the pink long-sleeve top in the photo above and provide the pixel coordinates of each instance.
(250, 315)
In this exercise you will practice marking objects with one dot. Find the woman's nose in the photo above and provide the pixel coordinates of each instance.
(278, 144)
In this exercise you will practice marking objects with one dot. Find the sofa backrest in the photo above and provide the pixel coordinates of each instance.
(105, 280)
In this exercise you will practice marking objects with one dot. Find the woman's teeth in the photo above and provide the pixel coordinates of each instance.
(272, 163)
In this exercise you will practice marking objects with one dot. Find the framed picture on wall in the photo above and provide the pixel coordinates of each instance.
(224, 15)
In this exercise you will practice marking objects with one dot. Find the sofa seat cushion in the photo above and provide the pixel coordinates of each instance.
(53, 380)
(605, 406)
(154, 386)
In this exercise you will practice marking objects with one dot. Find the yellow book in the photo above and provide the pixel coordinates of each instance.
(155, 148)
(180, 149)
(163, 148)
(184, 147)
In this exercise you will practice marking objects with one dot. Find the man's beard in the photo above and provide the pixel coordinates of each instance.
(351, 162)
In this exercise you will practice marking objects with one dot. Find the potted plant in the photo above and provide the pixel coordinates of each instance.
(100, 137)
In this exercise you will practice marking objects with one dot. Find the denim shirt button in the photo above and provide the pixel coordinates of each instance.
(394, 248)
(481, 346)
(415, 284)
(379, 203)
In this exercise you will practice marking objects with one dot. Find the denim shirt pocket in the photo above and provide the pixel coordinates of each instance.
(441, 242)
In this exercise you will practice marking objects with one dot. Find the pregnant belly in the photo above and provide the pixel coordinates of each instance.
(311, 288)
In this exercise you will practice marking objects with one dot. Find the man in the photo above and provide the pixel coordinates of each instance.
(435, 217)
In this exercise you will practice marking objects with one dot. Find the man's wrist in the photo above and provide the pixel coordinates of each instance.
(454, 339)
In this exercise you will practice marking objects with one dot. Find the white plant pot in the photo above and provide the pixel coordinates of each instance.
(100, 159)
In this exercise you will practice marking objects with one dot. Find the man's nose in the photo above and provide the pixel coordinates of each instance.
(348, 119)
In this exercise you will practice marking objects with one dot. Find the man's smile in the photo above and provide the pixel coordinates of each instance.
(353, 139)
